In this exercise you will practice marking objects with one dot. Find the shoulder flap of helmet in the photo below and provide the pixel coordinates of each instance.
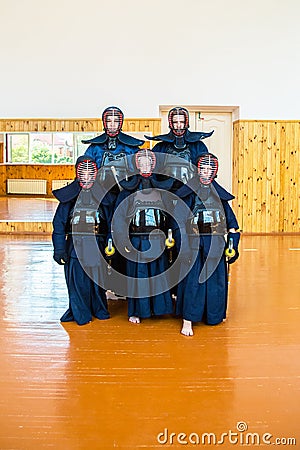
(223, 194)
(194, 136)
(162, 137)
(129, 140)
(67, 193)
(101, 139)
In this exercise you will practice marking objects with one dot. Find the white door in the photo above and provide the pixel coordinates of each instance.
(220, 143)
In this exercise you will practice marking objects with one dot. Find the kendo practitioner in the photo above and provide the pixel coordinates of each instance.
(140, 208)
(112, 145)
(80, 228)
(204, 297)
(182, 143)
(181, 149)
(109, 150)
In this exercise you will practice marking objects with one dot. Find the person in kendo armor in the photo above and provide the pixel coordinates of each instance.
(204, 297)
(110, 147)
(180, 143)
(110, 150)
(80, 228)
(141, 209)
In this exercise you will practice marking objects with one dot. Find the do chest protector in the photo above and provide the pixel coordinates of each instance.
(208, 217)
(146, 214)
(87, 217)
(182, 170)
(113, 168)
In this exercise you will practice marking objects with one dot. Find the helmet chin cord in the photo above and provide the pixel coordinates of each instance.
(179, 142)
(112, 143)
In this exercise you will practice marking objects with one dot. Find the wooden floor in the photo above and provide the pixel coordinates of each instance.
(112, 384)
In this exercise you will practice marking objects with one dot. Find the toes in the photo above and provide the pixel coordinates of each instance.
(134, 319)
(187, 331)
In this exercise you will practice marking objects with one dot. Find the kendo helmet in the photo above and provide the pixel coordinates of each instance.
(86, 171)
(178, 115)
(207, 167)
(112, 118)
(145, 161)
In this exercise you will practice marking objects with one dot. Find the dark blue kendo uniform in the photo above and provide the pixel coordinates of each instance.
(86, 297)
(191, 142)
(110, 154)
(101, 147)
(180, 154)
(144, 212)
(211, 218)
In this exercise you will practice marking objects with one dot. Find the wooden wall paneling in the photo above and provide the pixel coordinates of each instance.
(1, 152)
(157, 127)
(269, 176)
(295, 225)
(77, 125)
(280, 175)
(263, 175)
(295, 171)
(248, 177)
(275, 224)
(253, 151)
(236, 204)
(241, 173)
(17, 227)
(282, 172)
(292, 210)
(290, 148)
(39, 171)
(292, 193)
(129, 126)
(259, 177)
(296, 167)
(286, 188)
(3, 179)
(278, 219)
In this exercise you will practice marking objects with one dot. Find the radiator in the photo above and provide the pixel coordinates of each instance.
(57, 184)
(26, 186)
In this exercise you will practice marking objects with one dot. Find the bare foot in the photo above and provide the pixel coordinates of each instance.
(187, 329)
(134, 319)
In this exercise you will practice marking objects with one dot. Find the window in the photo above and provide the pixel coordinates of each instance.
(19, 147)
(45, 148)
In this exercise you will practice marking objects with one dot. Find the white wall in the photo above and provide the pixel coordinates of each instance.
(71, 58)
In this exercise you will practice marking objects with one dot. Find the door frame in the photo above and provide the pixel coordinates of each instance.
(234, 110)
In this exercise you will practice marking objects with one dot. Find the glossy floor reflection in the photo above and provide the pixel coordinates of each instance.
(27, 208)
(112, 384)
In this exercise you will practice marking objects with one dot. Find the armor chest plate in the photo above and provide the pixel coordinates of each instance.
(87, 217)
(147, 214)
(182, 169)
(208, 217)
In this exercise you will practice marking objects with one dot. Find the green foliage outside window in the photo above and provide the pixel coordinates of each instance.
(20, 154)
(46, 148)
(41, 155)
(62, 159)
